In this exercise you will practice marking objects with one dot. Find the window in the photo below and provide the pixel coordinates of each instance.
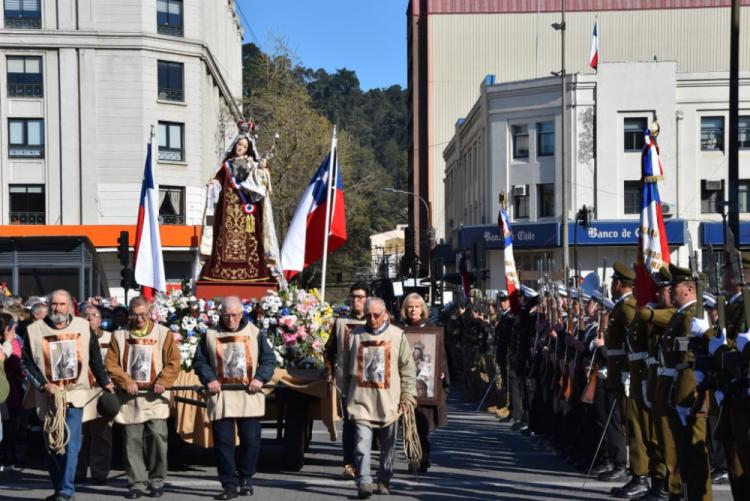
(26, 138)
(170, 141)
(171, 86)
(743, 132)
(23, 14)
(712, 133)
(171, 205)
(545, 200)
(545, 139)
(633, 197)
(169, 17)
(26, 203)
(634, 128)
(744, 196)
(520, 202)
(25, 76)
(712, 192)
(520, 141)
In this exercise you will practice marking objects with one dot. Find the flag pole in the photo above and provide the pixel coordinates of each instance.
(329, 206)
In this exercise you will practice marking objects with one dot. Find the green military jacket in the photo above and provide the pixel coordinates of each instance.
(619, 322)
(673, 358)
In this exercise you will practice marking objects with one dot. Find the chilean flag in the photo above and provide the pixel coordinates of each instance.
(653, 249)
(511, 275)
(594, 55)
(148, 260)
(303, 244)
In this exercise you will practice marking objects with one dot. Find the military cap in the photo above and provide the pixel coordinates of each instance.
(663, 278)
(597, 296)
(622, 272)
(585, 297)
(528, 292)
(608, 304)
(562, 290)
(680, 274)
(108, 405)
(709, 301)
(574, 293)
(502, 295)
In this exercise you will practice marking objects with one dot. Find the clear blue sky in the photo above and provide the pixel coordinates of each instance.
(367, 36)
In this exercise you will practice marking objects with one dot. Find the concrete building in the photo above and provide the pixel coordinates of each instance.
(453, 44)
(510, 141)
(86, 81)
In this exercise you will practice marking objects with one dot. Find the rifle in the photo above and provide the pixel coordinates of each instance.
(593, 371)
(697, 345)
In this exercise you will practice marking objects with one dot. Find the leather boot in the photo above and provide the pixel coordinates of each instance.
(616, 474)
(657, 492)
(638, 486)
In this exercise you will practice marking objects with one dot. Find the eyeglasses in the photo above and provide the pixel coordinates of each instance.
(358, 296)
(92, 315)
(373, 315)
(139, 315)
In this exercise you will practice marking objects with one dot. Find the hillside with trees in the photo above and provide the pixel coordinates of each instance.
(302, 104)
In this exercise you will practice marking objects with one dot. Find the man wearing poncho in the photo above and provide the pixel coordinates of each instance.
(375, 401)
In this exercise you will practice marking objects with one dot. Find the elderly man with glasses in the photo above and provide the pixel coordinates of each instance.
(377, 397)
(253, 361)
(144, 356)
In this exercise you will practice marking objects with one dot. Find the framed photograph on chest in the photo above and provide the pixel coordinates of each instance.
(426, 350)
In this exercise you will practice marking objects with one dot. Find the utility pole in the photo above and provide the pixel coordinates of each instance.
(734, 98)
(563, 141)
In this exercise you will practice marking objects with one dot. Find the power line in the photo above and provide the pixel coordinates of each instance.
(247, 23)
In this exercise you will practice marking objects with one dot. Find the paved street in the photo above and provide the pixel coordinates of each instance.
(474, 458)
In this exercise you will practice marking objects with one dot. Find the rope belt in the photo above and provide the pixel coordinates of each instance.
(55, 427)
(412, 447)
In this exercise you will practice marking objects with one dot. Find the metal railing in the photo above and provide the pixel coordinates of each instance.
(25, 90)
(171, 30)
(171, 94)
(171, 155)
(23, 23)
(27, 218)
(171, 219)
(18, 151)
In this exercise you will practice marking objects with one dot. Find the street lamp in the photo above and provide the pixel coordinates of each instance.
(430, 229)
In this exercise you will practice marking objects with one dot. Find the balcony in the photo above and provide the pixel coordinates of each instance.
(23, 23)
(177, 95)
(25, 90)
(27, 218)
(26, 151)
(170, 30)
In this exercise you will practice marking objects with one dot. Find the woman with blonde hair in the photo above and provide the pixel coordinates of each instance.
(414, 314)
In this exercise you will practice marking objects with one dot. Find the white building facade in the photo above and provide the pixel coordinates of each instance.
(85, 82)
(510, 141)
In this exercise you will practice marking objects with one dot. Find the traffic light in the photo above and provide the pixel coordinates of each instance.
(123, 249)
(584, 217)
(128, 279)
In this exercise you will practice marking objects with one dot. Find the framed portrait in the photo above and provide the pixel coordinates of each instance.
(63, 360)
(426, 350)
(373, 364)
(139, 362)
(235, 360)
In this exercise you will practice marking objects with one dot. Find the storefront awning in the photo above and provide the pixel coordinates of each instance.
(713, 234)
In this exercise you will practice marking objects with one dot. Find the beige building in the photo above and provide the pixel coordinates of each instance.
(83, 83)
(386, 250)
(453, 44)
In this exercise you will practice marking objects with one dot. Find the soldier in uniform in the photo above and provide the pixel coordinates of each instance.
(519, 355)
(623, 281)
(688, 427)
(229, 410)
(335, 352)
(503, 332)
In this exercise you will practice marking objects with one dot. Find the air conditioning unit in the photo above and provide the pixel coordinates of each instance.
(713, 185)
(666, 209)
(520, 191)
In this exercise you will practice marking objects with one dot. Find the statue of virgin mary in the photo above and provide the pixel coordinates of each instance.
(239, 236)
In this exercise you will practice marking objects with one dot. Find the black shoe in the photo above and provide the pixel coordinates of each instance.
(517, 425)
(51, 497)
(424, 466)
(637, 487)
(99, 481)
(63, 497)
(601, 468)
(157, 492)
(133, 494)
(720, 477)
(246, 490)
(226, 494)
(675, 497)
(616, 474)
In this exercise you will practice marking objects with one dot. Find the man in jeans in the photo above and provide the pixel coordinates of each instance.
(380, 386)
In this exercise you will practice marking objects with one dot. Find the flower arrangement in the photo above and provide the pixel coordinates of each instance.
(295, 321)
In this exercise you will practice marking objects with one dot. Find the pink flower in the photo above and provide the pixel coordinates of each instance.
(177, 337)
(301, 333)
(289, 339)
(316, 345)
